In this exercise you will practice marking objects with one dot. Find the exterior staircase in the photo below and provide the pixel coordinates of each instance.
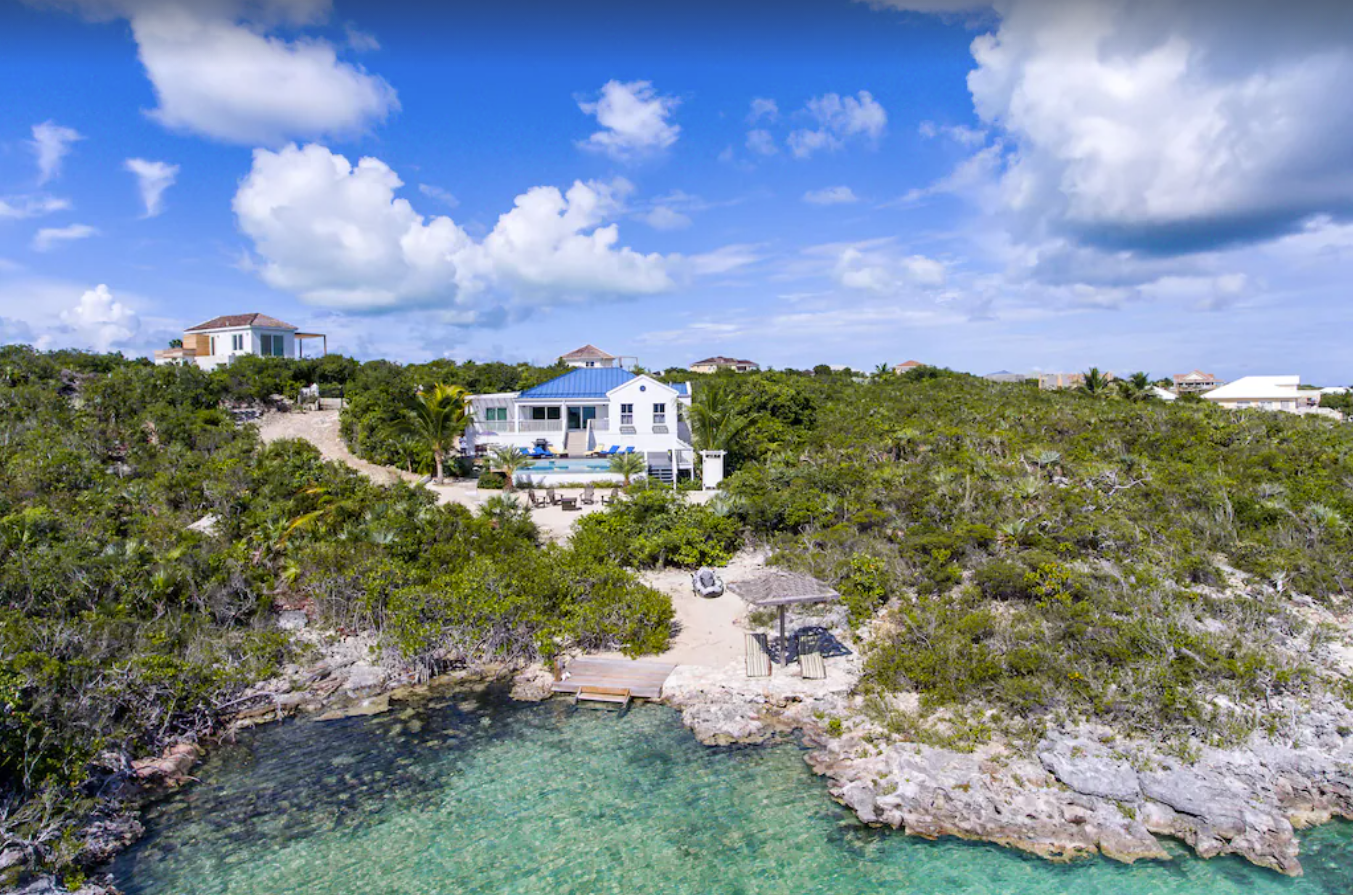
(575, 444)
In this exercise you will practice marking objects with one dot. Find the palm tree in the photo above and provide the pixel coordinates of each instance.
(715, 419)
(1096, 383)
(1136, 387)
(508, 460)
(628, 465)
(436, 416)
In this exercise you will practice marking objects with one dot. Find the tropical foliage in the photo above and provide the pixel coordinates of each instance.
(146, 539)
(1052, 554)
(436, 417)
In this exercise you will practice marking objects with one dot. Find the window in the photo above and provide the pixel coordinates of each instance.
(272, 345)
(545, 413)
(495, 414)
(659, 414)
(237, 342)
(627, 414)
(590, 363)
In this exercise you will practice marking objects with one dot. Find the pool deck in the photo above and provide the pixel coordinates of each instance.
(643, 680)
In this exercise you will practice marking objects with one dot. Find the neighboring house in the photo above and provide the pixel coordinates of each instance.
(1197, 381)
(907, 366)
(1006, 376)
(590, 357)
(1049, 381)
(585, 411)
(221, 339)
(1265, 393)
(1163, 394)
(715, 364)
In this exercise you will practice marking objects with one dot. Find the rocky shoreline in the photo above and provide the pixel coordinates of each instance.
(1078, 792)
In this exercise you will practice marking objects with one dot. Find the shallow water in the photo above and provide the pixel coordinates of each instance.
(474, 794)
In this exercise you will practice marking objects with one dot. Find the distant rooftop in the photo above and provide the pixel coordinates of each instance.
(233, 320)
(722, 361)
(1256, 388)
(587, 352)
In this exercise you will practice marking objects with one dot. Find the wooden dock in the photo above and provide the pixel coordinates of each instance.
(588, 675)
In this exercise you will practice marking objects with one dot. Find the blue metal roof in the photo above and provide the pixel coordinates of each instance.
(580, 383)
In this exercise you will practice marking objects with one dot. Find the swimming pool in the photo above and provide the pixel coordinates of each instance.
(568, 466)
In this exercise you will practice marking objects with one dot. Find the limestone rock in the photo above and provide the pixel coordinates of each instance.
(1087, 767)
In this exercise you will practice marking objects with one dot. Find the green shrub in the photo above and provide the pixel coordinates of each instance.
(492, 481)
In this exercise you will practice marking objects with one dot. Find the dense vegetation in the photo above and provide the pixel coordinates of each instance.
(122, 627)
(1062, 553)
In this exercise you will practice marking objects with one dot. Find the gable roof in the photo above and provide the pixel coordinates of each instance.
(909, 363)
(1195, 376)
(591, 382)
(1257, 388)
(587, 352)
(233, 320)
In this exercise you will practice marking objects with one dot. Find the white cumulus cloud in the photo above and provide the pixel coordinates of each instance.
(1164, 127)
(337, 235)
(21, 207)
(217, 71)
(48, 238)
(839, 119)
(832, 195)
(761, 141)
(634, 120)
(663, 217)
(51, 143)
(100, 321)
(152, 179)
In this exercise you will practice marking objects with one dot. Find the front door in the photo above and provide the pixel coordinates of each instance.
(578, 417)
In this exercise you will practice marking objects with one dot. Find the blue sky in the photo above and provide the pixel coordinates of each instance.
(1023, 185)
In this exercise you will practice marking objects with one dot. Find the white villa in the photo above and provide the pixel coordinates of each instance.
(1265, 393)
(221, 339)
(588, 411)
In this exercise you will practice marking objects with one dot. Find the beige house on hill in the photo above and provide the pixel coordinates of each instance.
(715, 364)
(907, 366)
(1197, 381)
(222, 339)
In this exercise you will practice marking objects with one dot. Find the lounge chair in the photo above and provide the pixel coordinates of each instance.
(615, 449)
(551, 496)
(630, 449)
(589, 492)
(811, 666)
(608, 499)
(707, 583)
(758, 656)
(536, 501)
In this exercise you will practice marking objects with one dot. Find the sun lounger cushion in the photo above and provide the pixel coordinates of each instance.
(758, 656)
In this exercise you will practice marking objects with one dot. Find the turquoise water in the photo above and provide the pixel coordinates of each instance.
(568, 466)
(472, 794)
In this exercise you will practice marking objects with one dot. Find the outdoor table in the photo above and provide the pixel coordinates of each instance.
(568, 503)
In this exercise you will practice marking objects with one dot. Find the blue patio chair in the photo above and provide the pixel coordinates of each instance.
(630, 449)
(615, 449)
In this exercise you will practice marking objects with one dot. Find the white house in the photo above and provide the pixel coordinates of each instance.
(222, 339)
(591, 357)
(1265, 393)
(587, 411)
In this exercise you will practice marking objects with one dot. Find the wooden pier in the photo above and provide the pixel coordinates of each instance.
(613, 680)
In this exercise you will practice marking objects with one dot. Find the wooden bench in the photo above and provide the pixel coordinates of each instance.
(618, 695)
